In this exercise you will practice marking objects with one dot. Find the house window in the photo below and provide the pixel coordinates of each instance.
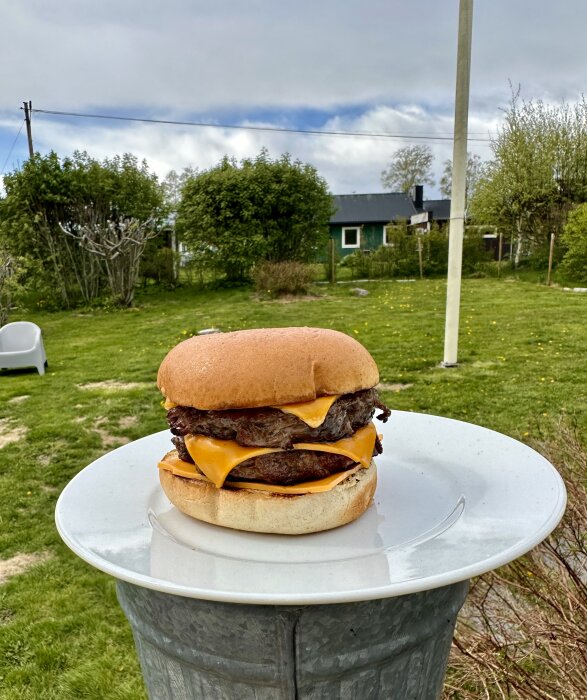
(386, 235)
(351, 237)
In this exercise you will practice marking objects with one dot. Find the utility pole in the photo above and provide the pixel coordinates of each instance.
(459, 176)
(28, 110)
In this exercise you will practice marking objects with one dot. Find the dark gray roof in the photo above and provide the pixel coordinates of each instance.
(372, 208)
(439, 208)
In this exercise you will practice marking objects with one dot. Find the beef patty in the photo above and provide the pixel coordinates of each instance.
(270, 427)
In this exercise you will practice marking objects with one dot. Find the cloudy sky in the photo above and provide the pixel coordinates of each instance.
(376, 66)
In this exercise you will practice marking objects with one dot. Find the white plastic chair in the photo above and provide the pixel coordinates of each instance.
(21, 345)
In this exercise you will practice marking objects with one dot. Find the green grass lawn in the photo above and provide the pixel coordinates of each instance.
(522, 367)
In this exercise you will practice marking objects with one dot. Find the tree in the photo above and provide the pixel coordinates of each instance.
(235, 215)
(119, 243)
(49, 194)
(537, 174)
(410, 166)
(574, 240)
(7, 276)
(173, 184)
(475, 170)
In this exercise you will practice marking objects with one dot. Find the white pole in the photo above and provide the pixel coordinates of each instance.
(459, 175)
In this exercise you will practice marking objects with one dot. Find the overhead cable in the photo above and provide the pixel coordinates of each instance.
(11, 148)
(249, 127)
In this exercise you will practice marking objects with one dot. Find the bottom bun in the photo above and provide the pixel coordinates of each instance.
(264, 511)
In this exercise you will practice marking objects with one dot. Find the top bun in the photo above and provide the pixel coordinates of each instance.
(264, 367)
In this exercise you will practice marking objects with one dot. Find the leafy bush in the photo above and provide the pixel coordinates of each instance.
(18, 281)
(260, 209)
(195, 269)
(50, 200)
(574, 240)
(276, 279)
(435, 250)
(475, 255)
(159, 264)
(7, 269)
(360, 264)
(400, 257)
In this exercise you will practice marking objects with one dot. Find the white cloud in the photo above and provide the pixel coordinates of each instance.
(347, 163)
(196, 56)
(390, 64)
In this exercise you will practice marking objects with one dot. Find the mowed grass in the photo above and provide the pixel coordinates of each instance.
(62, 635)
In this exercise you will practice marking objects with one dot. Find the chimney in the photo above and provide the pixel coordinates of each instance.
(419, 197)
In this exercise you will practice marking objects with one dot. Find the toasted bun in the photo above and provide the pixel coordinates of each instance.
(263, 511)
(264, 367)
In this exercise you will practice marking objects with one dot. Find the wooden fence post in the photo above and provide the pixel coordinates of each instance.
(499, 253)
(332, 260)
(550, 257)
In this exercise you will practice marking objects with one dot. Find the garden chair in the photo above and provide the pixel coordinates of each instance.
(21, 345)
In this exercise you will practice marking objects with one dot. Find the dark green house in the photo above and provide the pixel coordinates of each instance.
(360, 221)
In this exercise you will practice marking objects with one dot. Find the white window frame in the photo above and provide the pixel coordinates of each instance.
(384, 240)
(351, 245)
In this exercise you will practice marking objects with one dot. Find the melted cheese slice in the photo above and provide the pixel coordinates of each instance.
(180, 468)
(217, 458)
(313, 413)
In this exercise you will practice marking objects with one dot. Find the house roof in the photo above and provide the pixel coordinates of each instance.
(372, 208)
(439, 208)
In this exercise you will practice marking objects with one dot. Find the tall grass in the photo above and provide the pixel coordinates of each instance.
(522, 634)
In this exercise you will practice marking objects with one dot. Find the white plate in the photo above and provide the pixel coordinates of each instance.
(453, 501)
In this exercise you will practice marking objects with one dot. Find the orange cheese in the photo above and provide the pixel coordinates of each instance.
(185, 469)
(313, 413)
(217, 458)
(359, 447)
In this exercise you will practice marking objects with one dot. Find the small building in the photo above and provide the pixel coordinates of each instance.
(360, 221)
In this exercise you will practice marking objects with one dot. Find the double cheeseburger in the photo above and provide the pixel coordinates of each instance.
(272, 429)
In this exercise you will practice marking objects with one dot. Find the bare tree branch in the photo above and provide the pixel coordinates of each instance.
(119, 244)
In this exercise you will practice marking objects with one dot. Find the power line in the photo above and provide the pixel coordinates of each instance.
(317, 132)
(11, 148)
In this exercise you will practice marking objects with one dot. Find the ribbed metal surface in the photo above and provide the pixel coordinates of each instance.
(382, 649)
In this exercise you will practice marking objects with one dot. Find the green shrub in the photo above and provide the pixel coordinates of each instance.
(19, 284)
(574, 240)
(435, 250)
(475, 255)
(360, 264)
(160, 266)
(400, 257)
(7, 270)
(276, 279)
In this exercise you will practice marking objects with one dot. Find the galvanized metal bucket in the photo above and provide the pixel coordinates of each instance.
(387, 649)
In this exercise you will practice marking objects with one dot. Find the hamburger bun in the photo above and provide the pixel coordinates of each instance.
(272, 428)
(264, 367)
(264, 511)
